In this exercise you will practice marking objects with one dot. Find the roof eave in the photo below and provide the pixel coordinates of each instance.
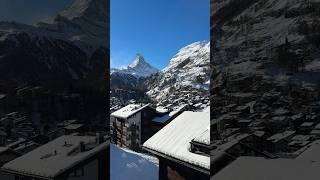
(184, 163)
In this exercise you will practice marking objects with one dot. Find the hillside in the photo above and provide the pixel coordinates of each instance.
(265, 57)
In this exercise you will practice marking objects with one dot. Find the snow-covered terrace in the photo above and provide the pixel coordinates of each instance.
(129, 110)
(173, 140)
(55, 157)
(203, 138)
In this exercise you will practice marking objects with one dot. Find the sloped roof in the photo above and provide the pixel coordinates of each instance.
(55, 157)
(129, 110)
(174, 139)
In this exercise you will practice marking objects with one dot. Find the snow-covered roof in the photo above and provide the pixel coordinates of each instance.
(3, 149)
(315, 132)
(306, 124)
(161, 109)
(317, 126)
(279, 136)
(55, 157)
(253, 168)
(301, 137)
(66, 122)
(129, 110)
(177, 110)
(73, 126)
(227, 143)
(174, 139)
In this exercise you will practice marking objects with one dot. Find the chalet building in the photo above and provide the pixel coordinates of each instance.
(171, 145)
(306, 127)
(299, 141)
(234, 146)
(67, 157)
(280, 140)
(66, 123)
(316, 131)
(13, 119)
(130, 125)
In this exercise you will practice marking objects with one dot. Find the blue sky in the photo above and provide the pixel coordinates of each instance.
(156, 28)
(30, 11)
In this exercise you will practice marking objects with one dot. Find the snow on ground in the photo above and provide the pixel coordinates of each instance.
(126, 164)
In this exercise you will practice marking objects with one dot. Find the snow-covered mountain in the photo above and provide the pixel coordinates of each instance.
(138, 68)
(73, 47)
(187, 73)
(85, 23)
(265, 54)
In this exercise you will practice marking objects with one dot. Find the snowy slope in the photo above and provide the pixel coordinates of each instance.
(265, 52)
(85, 23)
(138, 68)
(126, 164)
(187, 70)
(251, 36)
(70, 48)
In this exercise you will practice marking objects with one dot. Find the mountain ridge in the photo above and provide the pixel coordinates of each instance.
(138, 68)
(51, 51)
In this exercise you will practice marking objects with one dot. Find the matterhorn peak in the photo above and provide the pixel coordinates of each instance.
(138, 61)
(139, 67)
(79, 8)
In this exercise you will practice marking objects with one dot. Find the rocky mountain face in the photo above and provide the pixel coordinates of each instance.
(65, 50)
(265, 61)
(138, 68)
(120, 80)
(186, 77)
(85, 23)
